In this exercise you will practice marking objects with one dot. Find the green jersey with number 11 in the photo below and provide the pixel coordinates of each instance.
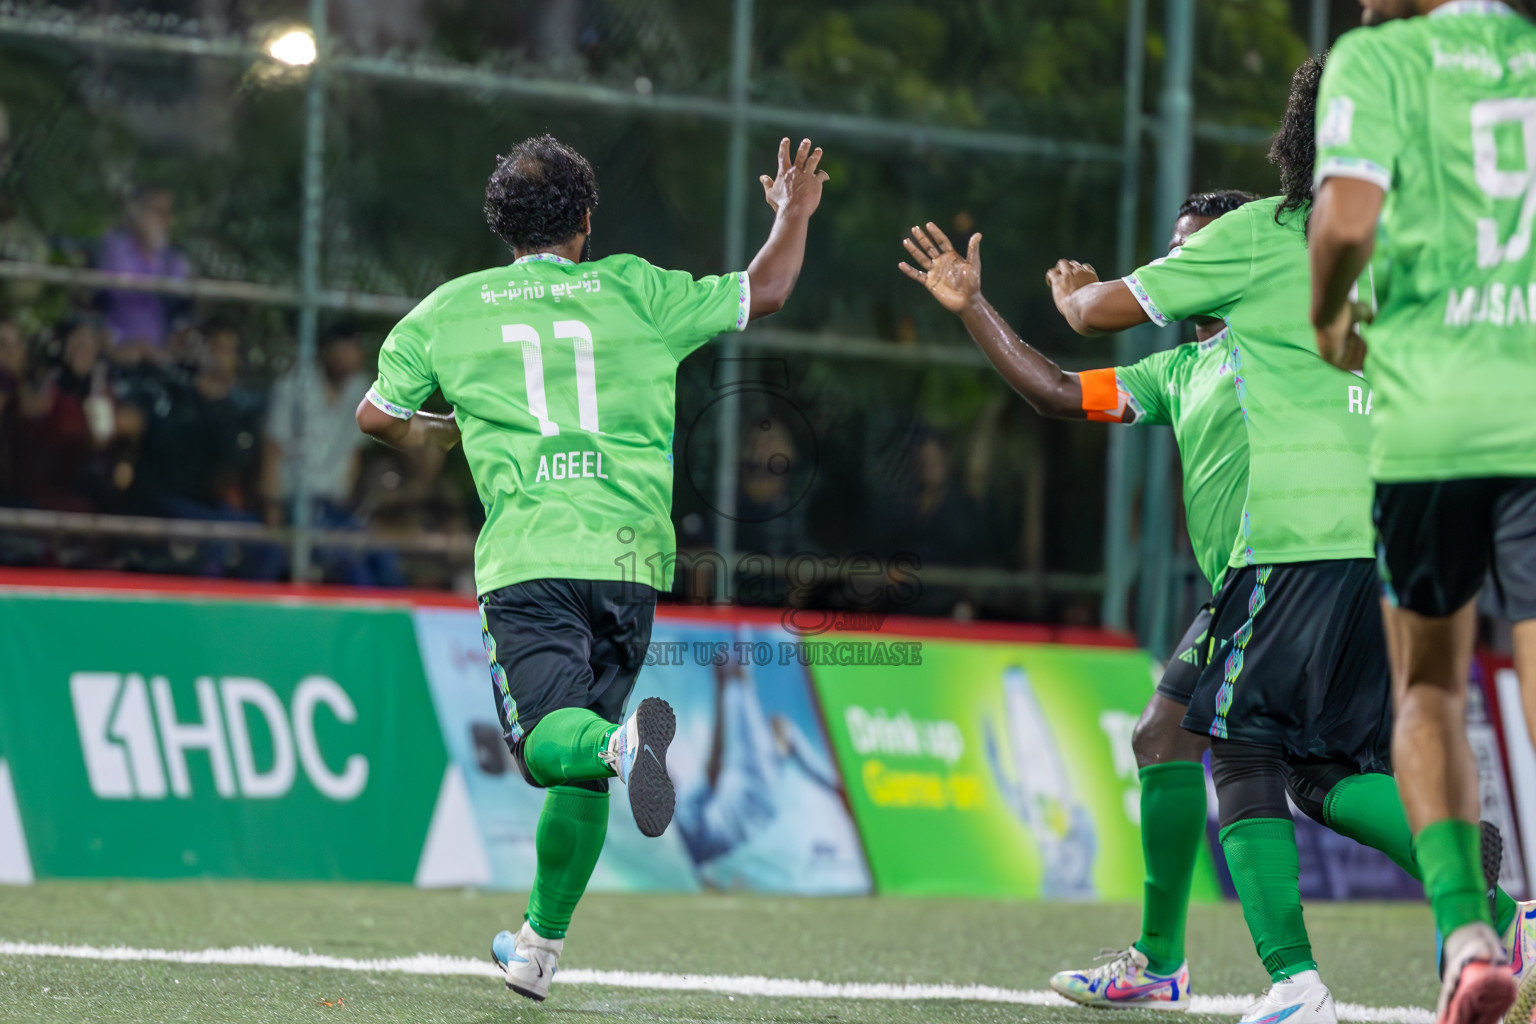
(563, 379)
(1440, 112)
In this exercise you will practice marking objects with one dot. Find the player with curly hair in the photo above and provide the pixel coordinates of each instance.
(1293, 692)
(1188, 389)
(562, 371)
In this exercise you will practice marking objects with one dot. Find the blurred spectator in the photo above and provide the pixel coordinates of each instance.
(408, 492)
(928, 514)
(324, 400)
(199, 447)
(69, 418)
(937, 511)
(402, 489)
(199, 452)
(13, 368)
(775, 475)
(373, 27)
(19, 240)
(141, 321)
(326, 459)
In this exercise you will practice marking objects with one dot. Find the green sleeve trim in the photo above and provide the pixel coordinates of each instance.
(1354, 167)
(744, 299)
(384, 405)
(1145, 301)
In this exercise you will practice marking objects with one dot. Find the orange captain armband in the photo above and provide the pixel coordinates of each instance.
(1104, 400)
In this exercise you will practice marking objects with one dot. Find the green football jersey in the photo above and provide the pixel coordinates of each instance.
(1309, 497)
(1440, 112)
(1190, 389)
(563, 379)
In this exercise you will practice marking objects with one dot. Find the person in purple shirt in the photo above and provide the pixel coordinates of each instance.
(141, 321)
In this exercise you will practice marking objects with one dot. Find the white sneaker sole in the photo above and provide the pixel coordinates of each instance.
(651, 796)
(527, 993)
(1171, 1005)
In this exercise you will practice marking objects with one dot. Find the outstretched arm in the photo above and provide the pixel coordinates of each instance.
(794, 195)
(420, 430)
(1340, 238)
(1091, 306)
(955, 281)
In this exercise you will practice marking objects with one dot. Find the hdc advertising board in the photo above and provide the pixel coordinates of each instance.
(161, 735)
(164, 739)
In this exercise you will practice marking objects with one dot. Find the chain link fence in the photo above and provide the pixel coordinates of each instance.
(201, 248)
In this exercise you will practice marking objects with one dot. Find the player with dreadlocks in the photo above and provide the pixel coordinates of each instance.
(1294, 695)
(1427, 144)
(1185, 388)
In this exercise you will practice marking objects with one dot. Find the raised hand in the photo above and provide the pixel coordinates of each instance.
(796, 189)
(953, 279)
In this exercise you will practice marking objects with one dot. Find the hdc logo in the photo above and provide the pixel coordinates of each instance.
(133, 742)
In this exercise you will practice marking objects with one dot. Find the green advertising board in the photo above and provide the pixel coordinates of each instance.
(997, 769)
(170, 735)
(169, 738)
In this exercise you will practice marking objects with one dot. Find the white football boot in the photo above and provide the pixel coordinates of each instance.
(1125, 982)
(1300, 999)
(529, 960)
(637, 752)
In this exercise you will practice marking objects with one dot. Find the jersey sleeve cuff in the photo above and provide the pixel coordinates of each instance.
(387, 407)
(744, 309)
(1130, 409)
(1353, 167)
(1154, 314)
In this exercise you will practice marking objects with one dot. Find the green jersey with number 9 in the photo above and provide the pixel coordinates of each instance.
(1440, 112)
(563, 379)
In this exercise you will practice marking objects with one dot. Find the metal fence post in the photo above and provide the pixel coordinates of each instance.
(1319, 26)
(1174, 153)
(1125, 447)
(1128, 454)
(309, 277)
(728, 419)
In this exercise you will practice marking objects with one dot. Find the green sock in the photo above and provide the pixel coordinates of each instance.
(569, 838)
(1261, 853)
(1450, 853)
(1368, 809)
(1172, 829)
(565, 747)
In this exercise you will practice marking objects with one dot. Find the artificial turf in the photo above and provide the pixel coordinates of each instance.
(1378, 954)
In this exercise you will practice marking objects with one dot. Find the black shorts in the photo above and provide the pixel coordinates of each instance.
(558, 644)
(1437, 541)
(1299, 662)
(1183, 669)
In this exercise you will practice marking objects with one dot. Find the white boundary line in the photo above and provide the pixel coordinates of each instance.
(742, 985)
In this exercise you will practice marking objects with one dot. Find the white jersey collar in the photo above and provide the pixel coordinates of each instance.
(542, 257)
(1471, 7)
